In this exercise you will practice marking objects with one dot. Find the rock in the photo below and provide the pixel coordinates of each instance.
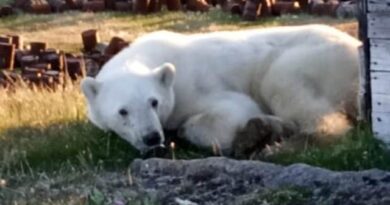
(215, 180)
(224, 181)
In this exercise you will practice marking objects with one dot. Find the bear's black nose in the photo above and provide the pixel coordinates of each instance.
(152, 139)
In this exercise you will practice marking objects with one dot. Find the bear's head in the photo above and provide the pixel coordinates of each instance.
(133, 105)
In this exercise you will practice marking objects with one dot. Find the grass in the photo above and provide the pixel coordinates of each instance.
(358, 150)
(282, 196)
(47, 131)
(4, 2)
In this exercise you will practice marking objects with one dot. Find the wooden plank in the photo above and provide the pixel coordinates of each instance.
(380, 126)
(378, 5)
(376, 67)
(380, 54)
(381, 103)
(378, 25)
(380, 83)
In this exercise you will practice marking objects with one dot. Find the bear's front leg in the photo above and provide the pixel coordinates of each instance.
(219, 118)
(222, 120)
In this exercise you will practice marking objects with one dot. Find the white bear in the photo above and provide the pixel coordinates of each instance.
(210, 85)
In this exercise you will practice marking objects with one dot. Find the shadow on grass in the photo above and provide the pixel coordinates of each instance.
(71, 145)
(358, 150)
(62, 145)
(80, 145)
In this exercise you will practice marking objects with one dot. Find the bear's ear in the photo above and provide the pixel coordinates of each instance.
(166, 74)
(90, 88)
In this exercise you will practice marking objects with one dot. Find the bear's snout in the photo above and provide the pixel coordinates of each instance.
(152, 139)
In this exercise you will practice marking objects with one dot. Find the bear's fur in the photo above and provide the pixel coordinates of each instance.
(210, 85)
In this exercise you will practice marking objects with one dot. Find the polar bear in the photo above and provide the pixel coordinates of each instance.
(210, 85)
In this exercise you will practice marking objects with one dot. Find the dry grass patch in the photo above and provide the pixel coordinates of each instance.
(63, 30)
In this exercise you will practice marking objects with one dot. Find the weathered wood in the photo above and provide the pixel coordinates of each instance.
(380, 54)
(378, 25)
(90, 39)
(380, 83)
(380, 125)
(381, 103)
(365, 73)
(362, 105)
(374, 28)
(379, 5)
(7, 54)
(377, 67)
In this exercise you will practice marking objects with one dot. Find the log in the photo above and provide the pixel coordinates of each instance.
(90, 39)
(7, 55)
(251, 10)
(37, 47)
(154, 6)
(173, 5)
(94, 6)
(141, 6)
(75, 68)
(123, 6)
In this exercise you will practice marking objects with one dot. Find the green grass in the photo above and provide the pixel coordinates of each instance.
(358, 150)
(5, 2)
(47, 131)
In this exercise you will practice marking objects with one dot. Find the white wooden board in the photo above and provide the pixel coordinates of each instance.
(381, 126)
(378, 5)
(380, 83)
(380, 103)
(378, 25)
(380, 54)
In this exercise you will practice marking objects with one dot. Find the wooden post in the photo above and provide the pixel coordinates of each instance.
(173, 5)
(364, 51)
(37, 47)
(141, 6)
(5, 39)
(7, 55)
(17, 41)
(90, 39)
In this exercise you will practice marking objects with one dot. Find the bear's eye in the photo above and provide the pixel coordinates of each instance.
(123, 112)
(154, 103)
